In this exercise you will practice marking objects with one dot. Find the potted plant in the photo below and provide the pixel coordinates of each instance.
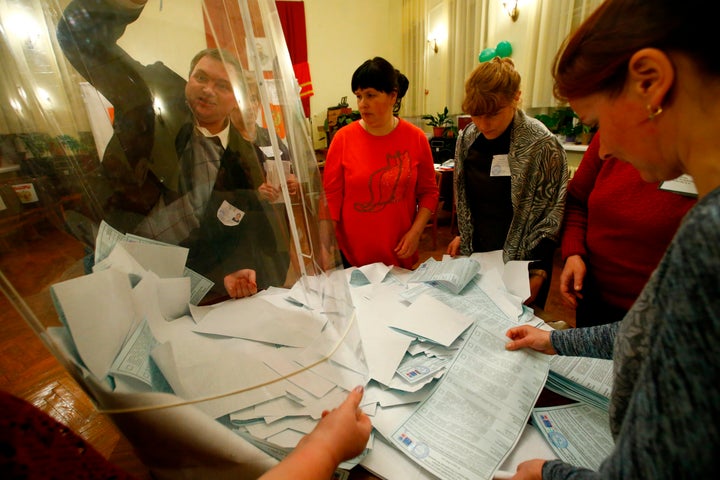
(347, 118)
(36, 143)
(577, 132)
(337, 117)
(70, 144)
(563, 122)
(441, 123)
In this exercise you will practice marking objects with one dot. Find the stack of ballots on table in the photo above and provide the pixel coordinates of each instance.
(578, 433)
(587, 380)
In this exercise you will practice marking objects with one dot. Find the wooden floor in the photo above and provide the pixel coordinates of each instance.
(28, 370)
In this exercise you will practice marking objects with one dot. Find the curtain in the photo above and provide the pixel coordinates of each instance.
(224, 27)
(223, 24)
(414, 34)
(551, 23)
(468, 31)
(582, 9)
(39, 91)
(292, 19)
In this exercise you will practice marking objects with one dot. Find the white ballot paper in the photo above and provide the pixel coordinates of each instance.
(506, 283)
(253, 318)
(473, 419)
(165, 260)
(684, 184)
(446, 394)
(85, 300)
(578, 433)
(384, 348)
(431, 319)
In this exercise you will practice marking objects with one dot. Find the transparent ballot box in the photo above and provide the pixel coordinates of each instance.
(161, 152)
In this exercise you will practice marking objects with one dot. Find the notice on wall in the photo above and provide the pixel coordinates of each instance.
(26, 192)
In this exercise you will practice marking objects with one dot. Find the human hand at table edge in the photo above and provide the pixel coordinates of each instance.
(529, 470)
(407, 245)
(341, 434)
(571, 279)
(525, 336)
(241, 283)
(454, 246)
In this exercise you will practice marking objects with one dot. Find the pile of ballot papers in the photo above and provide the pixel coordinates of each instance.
(428, 346)
(265, 366)
(587, 380)
(578, 433)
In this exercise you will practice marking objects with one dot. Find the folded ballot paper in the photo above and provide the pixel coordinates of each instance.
(451, 274)
(265, 366)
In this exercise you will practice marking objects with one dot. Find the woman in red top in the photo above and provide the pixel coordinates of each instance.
(379, 175)
(616, 229)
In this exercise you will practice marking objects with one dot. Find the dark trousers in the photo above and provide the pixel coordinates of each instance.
(592, 310)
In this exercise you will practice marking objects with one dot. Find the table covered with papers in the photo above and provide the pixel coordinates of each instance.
(445, 397)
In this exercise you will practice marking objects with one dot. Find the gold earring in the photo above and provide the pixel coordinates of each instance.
(653, 112)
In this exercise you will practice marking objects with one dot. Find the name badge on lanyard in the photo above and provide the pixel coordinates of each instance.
(500, 166)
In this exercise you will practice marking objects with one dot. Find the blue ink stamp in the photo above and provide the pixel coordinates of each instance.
(558, 439)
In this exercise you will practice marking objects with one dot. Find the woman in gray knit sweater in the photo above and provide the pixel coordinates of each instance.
(648, 73)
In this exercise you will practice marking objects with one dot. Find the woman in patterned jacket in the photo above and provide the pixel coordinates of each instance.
(510, 177)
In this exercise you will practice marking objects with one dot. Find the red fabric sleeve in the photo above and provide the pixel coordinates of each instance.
(37, 446)
(427, 188)
(576, 206)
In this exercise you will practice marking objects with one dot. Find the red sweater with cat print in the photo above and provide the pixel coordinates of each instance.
(375, 186)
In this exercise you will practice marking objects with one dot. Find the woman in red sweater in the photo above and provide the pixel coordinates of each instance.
(616, 229)
(379, 175)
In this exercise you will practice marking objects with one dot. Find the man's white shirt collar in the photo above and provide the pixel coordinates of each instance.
(223, 134)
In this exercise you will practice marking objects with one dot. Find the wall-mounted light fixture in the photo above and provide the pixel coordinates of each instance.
(24, 29)
(432, 43)
(511, 8)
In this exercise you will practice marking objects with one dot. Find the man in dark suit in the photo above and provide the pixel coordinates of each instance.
(176, 169)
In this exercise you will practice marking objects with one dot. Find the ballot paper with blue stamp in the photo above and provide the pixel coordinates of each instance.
(578, 433)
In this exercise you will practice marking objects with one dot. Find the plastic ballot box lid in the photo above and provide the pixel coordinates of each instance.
(162, 151)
